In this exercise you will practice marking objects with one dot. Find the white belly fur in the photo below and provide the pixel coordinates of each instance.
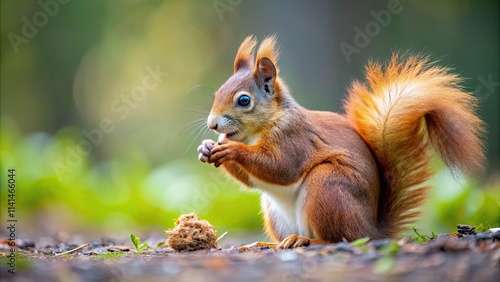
(286, 206)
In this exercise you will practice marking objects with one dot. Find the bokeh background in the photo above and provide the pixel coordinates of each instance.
(103, 103)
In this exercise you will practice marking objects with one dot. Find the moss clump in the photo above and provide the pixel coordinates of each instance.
(191, 233)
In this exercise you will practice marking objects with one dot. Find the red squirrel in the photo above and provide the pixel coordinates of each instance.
(327, 177)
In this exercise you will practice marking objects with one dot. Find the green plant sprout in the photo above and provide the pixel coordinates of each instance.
(484, 227)
(422, 238)
(360, 242)
(136, 241)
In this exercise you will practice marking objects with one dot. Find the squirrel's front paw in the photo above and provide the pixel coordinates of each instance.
(222, 153)
(205, 150)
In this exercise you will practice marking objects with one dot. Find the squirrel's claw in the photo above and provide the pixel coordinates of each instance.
(203, 158)
(294, 241)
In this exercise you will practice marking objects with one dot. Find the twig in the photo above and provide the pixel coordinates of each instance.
(73, 250)
(221, 236)
(258, 244)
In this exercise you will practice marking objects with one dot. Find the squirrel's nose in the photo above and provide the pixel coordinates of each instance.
(212, 122)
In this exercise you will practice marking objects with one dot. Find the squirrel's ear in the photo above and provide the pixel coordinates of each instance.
(244, 57)
(265, 75)
(266, 71)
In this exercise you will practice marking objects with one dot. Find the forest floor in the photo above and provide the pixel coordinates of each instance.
(461, 256)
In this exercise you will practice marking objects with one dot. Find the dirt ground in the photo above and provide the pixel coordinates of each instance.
(456, 257)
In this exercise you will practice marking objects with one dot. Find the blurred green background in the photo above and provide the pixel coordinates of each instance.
(103, 102)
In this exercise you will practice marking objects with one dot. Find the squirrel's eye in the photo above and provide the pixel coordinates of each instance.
(244, 101)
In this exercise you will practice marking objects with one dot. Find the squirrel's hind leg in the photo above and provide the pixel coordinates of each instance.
(338, 203)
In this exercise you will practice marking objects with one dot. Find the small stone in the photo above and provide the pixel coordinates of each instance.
(108, 242)
(96, 244)
(288, 256)
(483, 236)
(344, 247)
(494, 230)
(377, 244)
(96, 252)
(315, 247)
(464, 229)
(496, 235)
(67, 247)
(25, 244)
(120, 248)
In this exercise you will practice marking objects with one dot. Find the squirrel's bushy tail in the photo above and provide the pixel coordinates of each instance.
(407, 106)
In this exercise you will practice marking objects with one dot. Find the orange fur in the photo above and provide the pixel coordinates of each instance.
(244, 57)
(332, 177)
(268, 49)
(406, 107)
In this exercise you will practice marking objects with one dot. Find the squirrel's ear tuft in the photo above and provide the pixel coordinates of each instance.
(268, 49)
(265, 75)
(244, 57)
